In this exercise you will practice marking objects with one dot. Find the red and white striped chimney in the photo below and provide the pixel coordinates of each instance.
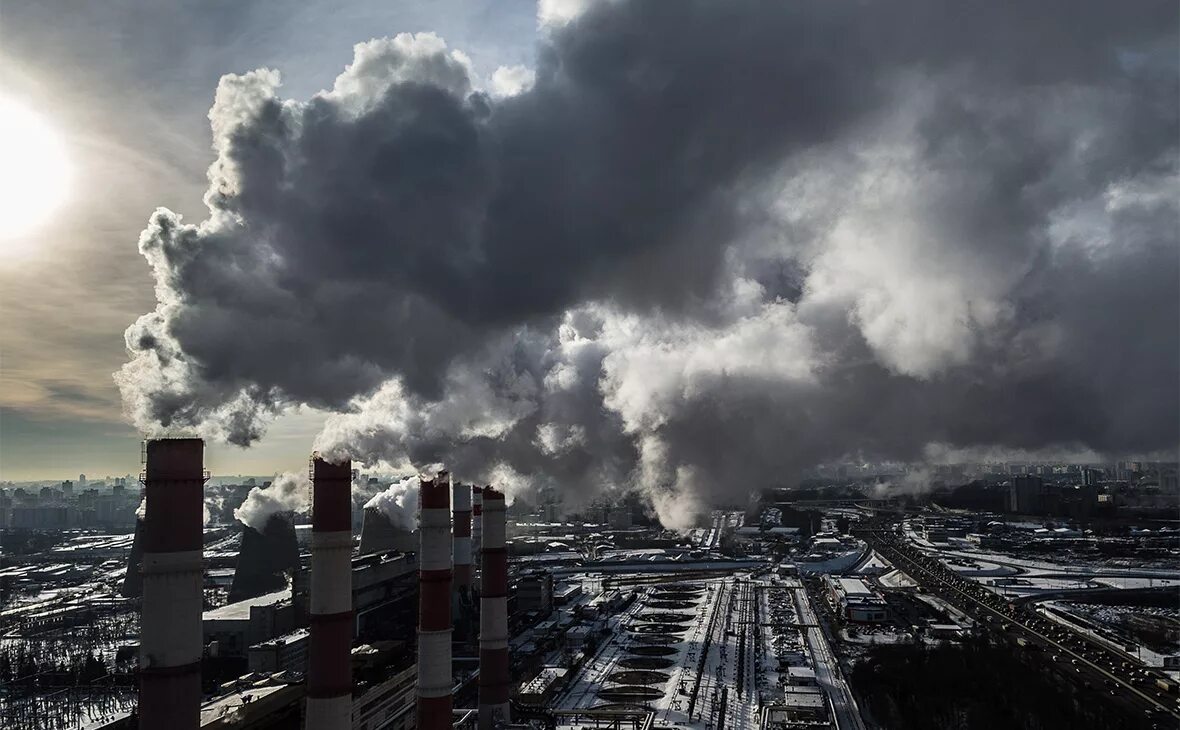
(329, 655)
(476, 523)
(170, 641)
(462, 510)
(494, 677)
(434, 604)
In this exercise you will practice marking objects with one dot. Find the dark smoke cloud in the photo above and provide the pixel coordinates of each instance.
(711, 245)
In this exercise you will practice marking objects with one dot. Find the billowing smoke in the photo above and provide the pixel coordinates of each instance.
(702, 247)
(399, 503)
(289, 492)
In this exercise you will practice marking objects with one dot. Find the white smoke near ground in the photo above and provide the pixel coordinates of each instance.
(399, 503)
(701, 249)
(289, 492)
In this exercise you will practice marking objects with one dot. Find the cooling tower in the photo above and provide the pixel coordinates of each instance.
(380, 535)
(133, 579)
(265, 558)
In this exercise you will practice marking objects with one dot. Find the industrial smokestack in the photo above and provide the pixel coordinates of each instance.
(494, 677)
(476, 522)
(434, 608)
(462, 509)
(170, 624)
(329, 667)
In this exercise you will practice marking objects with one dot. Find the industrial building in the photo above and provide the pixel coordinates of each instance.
(480, 617)
(855, 600)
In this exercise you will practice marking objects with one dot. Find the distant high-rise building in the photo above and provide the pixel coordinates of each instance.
(1024, 495)
(67, 488)
(82, 480)
(1091, 477)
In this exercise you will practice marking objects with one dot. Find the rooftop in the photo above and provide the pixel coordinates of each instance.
(240, 611)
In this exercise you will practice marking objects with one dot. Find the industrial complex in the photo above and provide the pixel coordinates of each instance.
(451, 609)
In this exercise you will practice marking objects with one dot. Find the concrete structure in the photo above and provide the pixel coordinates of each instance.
(434, 607)
(286, 653)
(540, 689)
(388, 705)
(170, 625)
(534, 592)
(494, 676)
(255, 705)
(462, 510)
(856, 600)
(329, 670)
(233, 628)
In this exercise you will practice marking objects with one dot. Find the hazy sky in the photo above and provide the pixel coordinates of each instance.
(129, 85)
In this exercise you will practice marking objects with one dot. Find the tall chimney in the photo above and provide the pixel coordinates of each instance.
(329, 656)
(462, 509)
(494, 677)
(476, 522)
(434, 606)
(173, 560)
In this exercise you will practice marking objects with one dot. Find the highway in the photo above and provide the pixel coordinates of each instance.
(1096, 667)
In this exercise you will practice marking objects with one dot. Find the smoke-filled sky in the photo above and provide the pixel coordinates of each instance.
(691, 248)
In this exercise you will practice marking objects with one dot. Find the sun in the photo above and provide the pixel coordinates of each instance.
(35, 170)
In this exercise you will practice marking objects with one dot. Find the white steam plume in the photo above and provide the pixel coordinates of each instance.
(289, 492)
(399, 503)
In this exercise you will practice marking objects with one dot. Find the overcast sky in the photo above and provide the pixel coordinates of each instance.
(688, 248)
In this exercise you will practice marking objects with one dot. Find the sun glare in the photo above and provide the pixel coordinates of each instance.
(34, 170)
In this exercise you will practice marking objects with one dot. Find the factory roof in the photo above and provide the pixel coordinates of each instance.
(240, 611)
(804, 697)
(247, 704)
(292, 638)
(854, 587)
(541, 682)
